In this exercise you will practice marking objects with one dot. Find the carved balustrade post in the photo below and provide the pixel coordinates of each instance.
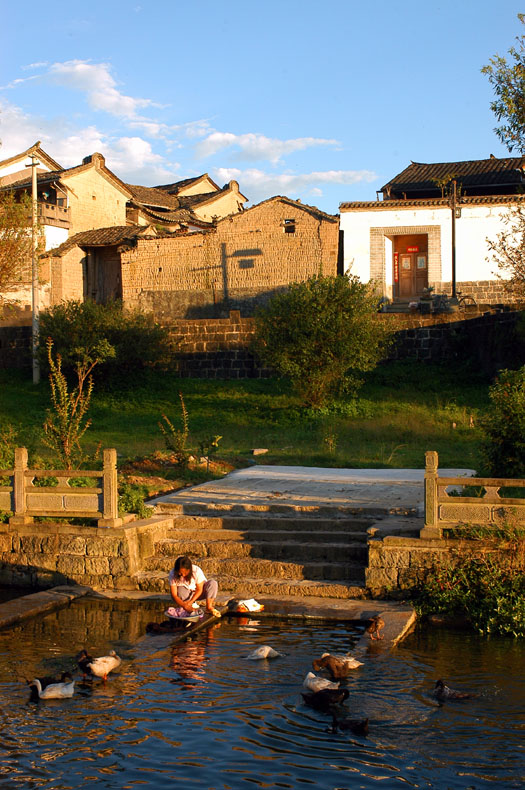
(431, 529)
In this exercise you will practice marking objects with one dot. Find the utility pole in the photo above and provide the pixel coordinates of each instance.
(35, 305)
(453, 205)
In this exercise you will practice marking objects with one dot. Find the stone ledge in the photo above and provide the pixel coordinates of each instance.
(39, 603)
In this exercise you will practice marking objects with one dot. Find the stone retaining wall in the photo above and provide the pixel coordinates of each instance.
(220, 347)
(46, 554)
(397, 565)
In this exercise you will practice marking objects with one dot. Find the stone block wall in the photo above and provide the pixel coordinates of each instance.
(46, 554)
(485, 292)
(398, 565)
(217, 349)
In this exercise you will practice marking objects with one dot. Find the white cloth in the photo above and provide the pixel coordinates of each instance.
(191, 582)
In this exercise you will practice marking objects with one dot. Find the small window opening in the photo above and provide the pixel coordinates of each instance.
(289, 225)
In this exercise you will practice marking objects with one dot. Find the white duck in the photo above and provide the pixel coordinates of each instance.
(263, 652)
(314, 683)
(103, 665)
(53, 690)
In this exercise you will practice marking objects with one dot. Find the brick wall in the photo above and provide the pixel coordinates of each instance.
(95, 202)
(246, 257)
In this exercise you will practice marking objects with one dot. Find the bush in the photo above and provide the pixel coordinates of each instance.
(322, 334)
(504, 425)
(75, 327)
(488, 590)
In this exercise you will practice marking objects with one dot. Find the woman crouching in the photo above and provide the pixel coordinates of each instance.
(188, 584)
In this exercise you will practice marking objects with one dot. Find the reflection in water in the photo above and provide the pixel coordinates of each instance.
(198, 713)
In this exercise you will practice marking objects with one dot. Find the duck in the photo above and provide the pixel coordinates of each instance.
(338, 666)
(101, 666)
(357, 726)
(441, 692)
(263, 652)
(375, 626)
(325, 699)
(314, 683)
(55, 690)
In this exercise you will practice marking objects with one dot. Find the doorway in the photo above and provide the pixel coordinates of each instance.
(410, 265)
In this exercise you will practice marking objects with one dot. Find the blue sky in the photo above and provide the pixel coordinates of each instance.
(322, 102)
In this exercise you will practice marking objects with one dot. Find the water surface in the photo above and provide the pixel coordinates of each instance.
(199, 714)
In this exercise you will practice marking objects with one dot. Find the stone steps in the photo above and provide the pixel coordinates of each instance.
(291, 547)
(261, 552)
(151, 581)
(213, 508)
(263, 522)
(255, 567)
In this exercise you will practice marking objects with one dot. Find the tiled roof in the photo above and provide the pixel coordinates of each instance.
(153, 196)
(474, 173)
(102, 237)
(389, 205)
(176, 186)
(181, 215)
(313, 210)
(57, 175)
(34, 149)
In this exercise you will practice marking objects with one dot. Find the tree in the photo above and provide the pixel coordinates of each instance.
(504, 425)
(15, 241)
(508, 251)
(322, 334)
(508, 82)
(66, 422)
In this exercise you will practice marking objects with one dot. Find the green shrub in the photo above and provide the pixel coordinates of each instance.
(138, 342)
(131, 500)
(322, 334)
(504, 426)
(176, 440)
(487, 589)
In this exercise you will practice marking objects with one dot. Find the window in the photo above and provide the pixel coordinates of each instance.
(289, 225)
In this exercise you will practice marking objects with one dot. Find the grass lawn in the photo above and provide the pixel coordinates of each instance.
(403, 410)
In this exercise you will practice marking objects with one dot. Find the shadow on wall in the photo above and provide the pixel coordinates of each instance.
(170, 306)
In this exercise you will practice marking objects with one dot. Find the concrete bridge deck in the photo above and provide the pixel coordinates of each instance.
(280, 489)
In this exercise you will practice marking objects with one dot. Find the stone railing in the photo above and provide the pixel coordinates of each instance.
(27, 500)
(445, 511)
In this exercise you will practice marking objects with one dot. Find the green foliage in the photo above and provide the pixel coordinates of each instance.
(8, 444)
(65, 424)
(322, 334)
(508, 251)
(177, 440)
(15, 243)
(131, 499)
(488, 589)
(138, 343)
(504, 425)
(508, 82)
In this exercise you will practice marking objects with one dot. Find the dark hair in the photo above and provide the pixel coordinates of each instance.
(182, 562)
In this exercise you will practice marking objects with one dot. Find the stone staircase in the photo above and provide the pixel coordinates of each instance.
(319, 552)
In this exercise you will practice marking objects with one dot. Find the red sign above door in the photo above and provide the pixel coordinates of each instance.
(412, 249)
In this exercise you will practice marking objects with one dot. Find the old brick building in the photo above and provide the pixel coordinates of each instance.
(90, 196)
(241, 260)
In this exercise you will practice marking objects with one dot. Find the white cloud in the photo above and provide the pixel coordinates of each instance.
(254, 146)
(95, 80)
(131, 158)
(259, 185)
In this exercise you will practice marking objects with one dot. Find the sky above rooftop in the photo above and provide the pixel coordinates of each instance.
(320, 102)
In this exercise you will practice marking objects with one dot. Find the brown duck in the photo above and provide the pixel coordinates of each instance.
(442, 692)
(338, 667)
(374, 628)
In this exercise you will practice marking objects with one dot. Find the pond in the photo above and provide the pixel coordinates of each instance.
(200, 714)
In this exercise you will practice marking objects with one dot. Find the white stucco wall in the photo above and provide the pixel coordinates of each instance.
(54, 236)
(477, 222)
